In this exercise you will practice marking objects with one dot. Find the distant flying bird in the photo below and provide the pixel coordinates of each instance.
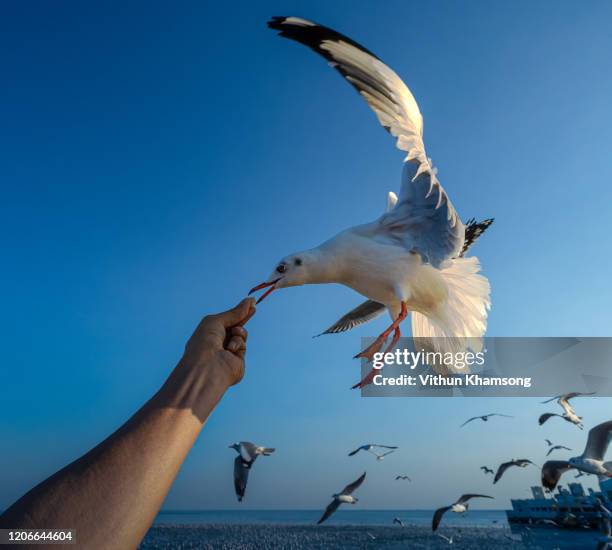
(487, 470)
(370, 535)
(247, 454)
(548, 442)
(447, 539)
(459, 507)
(484, 418)
(410, 259)
(569, 414)
(398, 521)
(369, 447)
(589, 462)
(402, 477)
(557, 448)
(519, 462)
(344, 496)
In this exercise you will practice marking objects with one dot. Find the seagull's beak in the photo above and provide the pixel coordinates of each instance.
(265, 285)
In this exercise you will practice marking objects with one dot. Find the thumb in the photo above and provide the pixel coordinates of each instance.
(240, 314)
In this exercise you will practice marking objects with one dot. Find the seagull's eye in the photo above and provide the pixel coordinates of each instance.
(281, 268)
(298, 261)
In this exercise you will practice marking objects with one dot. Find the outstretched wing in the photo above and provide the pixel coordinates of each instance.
(438, 516)
(423, 220)
(551, 472)
(500, 471)
(473, 230)
(469, 420)
(598, 441)
(331, 508)
(363, 313)
(241, 476)
(353, 486)
(544, 417)
(464, 498)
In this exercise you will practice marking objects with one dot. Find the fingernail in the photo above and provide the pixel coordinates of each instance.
(232, 346)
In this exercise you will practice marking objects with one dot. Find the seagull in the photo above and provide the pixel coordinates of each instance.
(487, 470)
(410, 259)
(569, 415)
(247, 454)
(346, 495)
(549, 442)
(404, 477)
(459, 507)
(370, 535)
(589, 462)
(447, 539)
(484, 418)
(369, 447)
(520, 462)
(398, 521)
(557, 448)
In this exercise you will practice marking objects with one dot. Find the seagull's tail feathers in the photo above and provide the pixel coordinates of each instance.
(460, 323)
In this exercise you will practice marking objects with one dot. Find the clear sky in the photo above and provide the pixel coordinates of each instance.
(156, 160)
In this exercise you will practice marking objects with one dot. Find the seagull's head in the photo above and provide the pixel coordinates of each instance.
(293, 270)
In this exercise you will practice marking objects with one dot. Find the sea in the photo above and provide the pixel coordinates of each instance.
(348, 529)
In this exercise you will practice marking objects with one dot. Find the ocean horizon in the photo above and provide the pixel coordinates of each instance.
(474, 518)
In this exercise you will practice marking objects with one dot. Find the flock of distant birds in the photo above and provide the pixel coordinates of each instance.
(589, 462)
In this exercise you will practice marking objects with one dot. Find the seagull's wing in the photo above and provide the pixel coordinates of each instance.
(551, 472)
(438, 516)
(363, 313)
(385, 454)
(598, 441)
(548, 442)
(331, 508)
(473, 230)
(423, 219)
(500, 471)
(564, 400)
(241, 476)
(384, 446)
(464, 498)
(352, 453)
(248, 451)
(353, 486)
(544, 417)
(499, 414)
(469, 420)
(551, 450)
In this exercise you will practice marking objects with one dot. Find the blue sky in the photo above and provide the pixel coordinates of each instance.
(156, 161)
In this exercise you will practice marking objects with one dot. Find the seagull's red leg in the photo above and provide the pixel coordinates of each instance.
(370, 376)
(373, 348)
(369, 352)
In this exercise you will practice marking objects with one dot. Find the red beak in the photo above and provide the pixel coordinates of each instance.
(264, 285)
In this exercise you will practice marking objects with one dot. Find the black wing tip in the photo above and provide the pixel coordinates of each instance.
(276, 22)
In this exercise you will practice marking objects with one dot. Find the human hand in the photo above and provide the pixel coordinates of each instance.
(219, 343)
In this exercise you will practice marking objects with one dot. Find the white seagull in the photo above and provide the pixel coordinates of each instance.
(344, 496)
(369, 447)
(519, 462)
(410, 259)
(589, 462)
(569, 414)
(459, 507)
(484, 418)
(247, 454)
